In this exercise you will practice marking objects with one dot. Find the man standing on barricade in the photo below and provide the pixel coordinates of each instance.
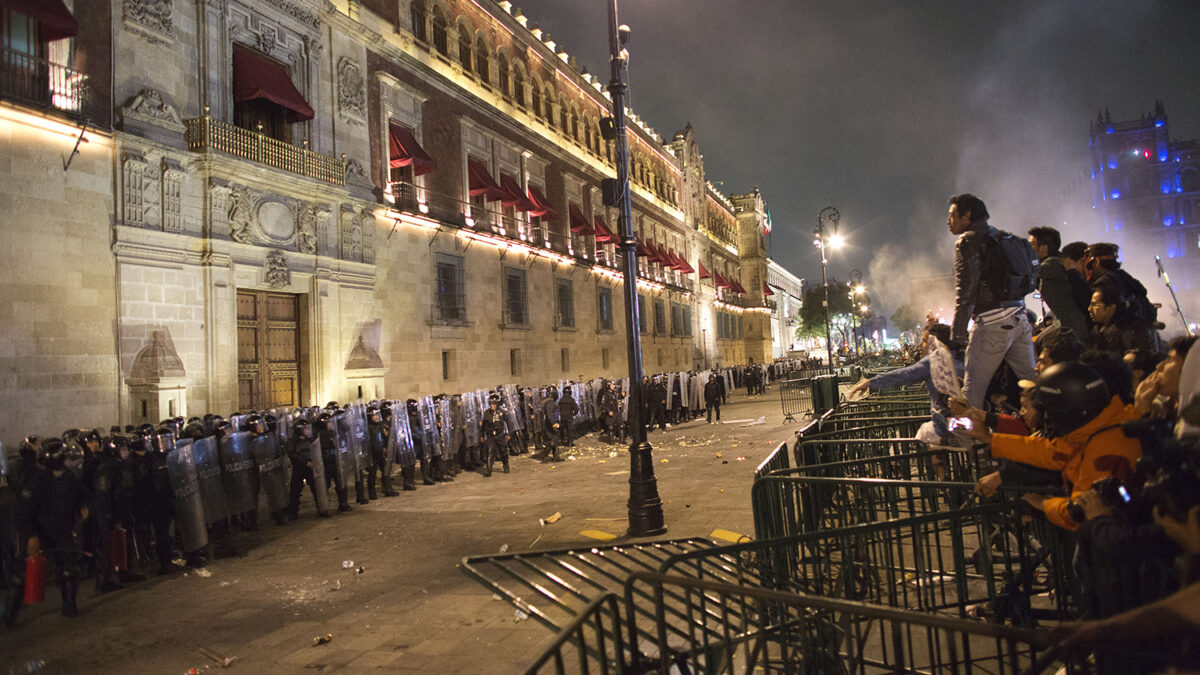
(993, 272)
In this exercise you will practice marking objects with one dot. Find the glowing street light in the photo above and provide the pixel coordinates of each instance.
(828, 217)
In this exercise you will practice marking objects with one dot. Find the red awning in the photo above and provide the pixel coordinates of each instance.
(603, 234)
(404, 150)
(722, 282)
(514, 196)
(737, 286)
(52, 16)
(256, 76)
(482, 182)
(641, 250)
(704, 274)
(767, 289)
(686, 269)
(579, 222)
(677, 261)
(541, 205)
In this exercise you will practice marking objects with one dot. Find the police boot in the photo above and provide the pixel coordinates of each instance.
(504, 459)
(426, 473)
(388, 490)
(360, 497)
(487, 466)
(70, 590)
(556, 457)
(439, 471)
(371, 485)
(408, 475)
(343, 499)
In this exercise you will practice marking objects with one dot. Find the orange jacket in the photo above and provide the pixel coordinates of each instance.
(1094, 451)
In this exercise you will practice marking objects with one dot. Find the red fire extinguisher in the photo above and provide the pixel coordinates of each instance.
(118, 549)
(35, 579)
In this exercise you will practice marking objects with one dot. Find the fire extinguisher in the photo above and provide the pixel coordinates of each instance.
(118, 548)
(35, 579)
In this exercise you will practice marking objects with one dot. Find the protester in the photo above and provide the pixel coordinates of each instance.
(1053, 282)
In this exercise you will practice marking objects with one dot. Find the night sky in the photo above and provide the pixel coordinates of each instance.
(885, 109)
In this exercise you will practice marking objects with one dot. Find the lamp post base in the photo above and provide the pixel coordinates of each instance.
(645, 507)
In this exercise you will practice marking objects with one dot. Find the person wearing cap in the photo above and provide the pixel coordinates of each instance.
(1081, 436)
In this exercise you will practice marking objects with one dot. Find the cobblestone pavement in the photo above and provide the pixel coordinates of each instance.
(410, 609)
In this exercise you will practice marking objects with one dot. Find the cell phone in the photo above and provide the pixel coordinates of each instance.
(963, 423)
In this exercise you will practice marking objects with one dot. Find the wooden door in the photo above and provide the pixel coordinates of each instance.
(269, 356)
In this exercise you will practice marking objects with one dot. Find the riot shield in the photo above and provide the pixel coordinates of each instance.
(539, 415)
(400, 444)
(320, 483)
(471, 419)
(430, 439)
(445, 427)
(189, 506)
(358, 436)
(272, 473)
(346, 463)
(236, 421)
(578, 391)
(238, 473)
(685, 394)
(624, 407)
(670, 383)
(208, 470)
(509, 407)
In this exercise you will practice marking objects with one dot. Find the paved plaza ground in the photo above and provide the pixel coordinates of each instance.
(411, 608)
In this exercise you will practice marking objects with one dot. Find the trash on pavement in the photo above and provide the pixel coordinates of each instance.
(203, 572)
(504, 548)
(347, 564)
(598, 534)
(520, 616)
(323, 639)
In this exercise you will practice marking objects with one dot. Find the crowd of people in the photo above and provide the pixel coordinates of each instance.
(1089, 415)
(116, 506)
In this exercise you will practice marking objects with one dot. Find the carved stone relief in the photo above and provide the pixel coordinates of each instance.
(323, 218)
(356, 174)
(306, 229)
(133, 178)
(172, 196)
(275, 221)
(277, 274)
(240, 214)
(151, 19)
(368, 238)
(150, 106)
(352, 90)
(351, 236)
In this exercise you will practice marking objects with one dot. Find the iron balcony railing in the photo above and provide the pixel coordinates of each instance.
(452, 210)
(42, 84)
(206, 133)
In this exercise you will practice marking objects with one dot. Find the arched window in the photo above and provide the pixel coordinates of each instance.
(418, 20)
(464, 47)
(587, 135)
(502, 75)
(574, 125)
(440, 40)
(564, 113)
(535, 102)
(548, 102)
(481, 61)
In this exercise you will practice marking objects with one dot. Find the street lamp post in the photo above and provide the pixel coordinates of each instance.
(856, 289)
(644, 506)
(831, 216)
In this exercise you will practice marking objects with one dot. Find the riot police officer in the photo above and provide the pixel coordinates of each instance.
(300, 453)
(50, 512)
(379, 432)
(550, 425)
(567, 410)
(418, 438)
(329, 457)
(492, 428)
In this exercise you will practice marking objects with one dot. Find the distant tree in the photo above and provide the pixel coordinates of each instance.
(906, 319)
(812, 311)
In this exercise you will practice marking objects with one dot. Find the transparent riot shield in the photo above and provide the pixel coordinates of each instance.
(208, 469)
(189, 506)
(400, 443)
(430, 438)
(272, 470)
(579, 392)
(471, 413)
(238, 473)
(347, 465)
(445, 418)
(236, 421)
(670, 384)
(685, 395)
(358, 435)
(320, 482)
(458, 415)
(508, 405)
(624, 407)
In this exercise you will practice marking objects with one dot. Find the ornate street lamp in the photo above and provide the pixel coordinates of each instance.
(645, 507)
(827, 237)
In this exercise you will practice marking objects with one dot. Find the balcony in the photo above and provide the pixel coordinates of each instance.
(206, 133)
(453, 211)
(42, 84)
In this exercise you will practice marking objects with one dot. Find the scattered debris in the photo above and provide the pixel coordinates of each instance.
(323, 639)
(687, 506)
(663, 461)
(727, 535)
(554, 518)
(519, 616)
(496, 596)
(337, 586)
(719, 455)
(221, 661)
(612, 454)
(504, 548)
(598, 534)
(360, 570)
(203, 572)
(616, 473)
(347, 564)
(741, 459)
(535, 541)
(602, 461)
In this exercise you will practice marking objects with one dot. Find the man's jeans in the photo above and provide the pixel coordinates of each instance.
(991, 343)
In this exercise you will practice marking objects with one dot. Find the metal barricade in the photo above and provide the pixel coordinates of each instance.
(796, 398)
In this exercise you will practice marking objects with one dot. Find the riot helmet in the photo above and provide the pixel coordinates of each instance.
(53, 454)
(302, 428)
(193, 430)
(1069, 395)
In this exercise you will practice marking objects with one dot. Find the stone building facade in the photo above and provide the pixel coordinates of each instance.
(787, 294)
(284, 202)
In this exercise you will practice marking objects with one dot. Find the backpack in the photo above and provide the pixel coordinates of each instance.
(1011, 266)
